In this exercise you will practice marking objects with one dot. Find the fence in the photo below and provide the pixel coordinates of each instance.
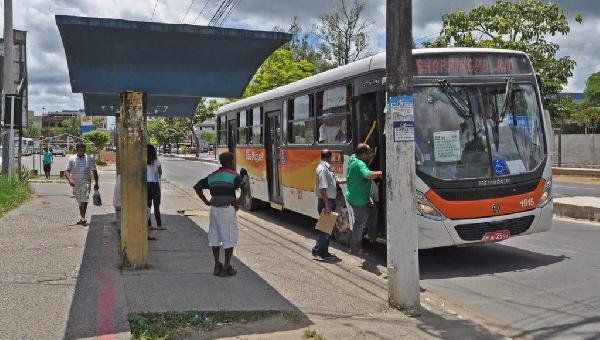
(577, 150)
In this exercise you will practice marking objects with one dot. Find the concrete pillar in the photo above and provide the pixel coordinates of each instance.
(131, 124)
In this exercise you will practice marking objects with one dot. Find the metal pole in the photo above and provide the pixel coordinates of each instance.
(402, 233)
(7, 84)
(11, 142)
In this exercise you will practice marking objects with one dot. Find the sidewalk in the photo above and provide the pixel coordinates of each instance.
(578, 207)
(61, 280)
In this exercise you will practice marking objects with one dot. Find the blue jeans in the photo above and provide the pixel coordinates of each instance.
(321, 248)
(362, 214)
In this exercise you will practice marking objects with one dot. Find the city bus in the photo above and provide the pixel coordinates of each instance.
(482, 143)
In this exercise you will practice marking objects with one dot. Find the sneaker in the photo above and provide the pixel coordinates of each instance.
(329, 256)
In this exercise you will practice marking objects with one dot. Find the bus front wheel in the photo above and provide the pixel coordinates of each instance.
(250, 203)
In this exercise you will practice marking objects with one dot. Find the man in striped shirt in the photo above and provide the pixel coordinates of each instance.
(78, 173)
(222, 229)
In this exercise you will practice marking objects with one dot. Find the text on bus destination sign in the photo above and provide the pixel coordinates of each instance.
(471, 64)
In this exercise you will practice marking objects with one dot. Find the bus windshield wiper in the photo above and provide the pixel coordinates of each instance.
(508, 97)
(453, 96)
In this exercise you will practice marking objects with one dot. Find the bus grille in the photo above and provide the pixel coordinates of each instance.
(475, 231)
(470, 194)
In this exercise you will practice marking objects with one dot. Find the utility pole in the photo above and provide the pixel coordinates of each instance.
(402, 234)
(7, 87)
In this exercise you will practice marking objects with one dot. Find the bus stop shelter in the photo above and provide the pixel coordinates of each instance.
(133, 70)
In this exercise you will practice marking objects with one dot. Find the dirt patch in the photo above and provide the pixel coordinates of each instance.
(108, 156)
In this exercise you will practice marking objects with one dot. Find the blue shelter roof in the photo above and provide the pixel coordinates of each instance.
(173, 64)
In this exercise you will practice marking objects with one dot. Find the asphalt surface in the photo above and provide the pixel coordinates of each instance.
(566, 189)
(541, 286)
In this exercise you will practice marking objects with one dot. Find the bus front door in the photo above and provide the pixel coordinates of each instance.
(273, 144)
(232, 136)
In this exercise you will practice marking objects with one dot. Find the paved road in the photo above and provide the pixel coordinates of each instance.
(564, 189)
(543, 285)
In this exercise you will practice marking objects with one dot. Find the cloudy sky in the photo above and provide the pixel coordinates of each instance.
(48, 76)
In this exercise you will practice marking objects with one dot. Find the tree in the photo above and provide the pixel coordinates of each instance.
(279, 69)
(565, 107)
(522, 26)
(98, 138)
(343, 33)
(588, 116)
(32, 130)
(209, 136)
(592, 90)
(71, 126)
(156, 132)
(302, 48)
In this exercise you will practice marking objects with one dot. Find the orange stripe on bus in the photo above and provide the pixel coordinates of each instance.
(488, 207)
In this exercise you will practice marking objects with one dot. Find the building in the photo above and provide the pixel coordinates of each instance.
(33, 119)
(53, 119)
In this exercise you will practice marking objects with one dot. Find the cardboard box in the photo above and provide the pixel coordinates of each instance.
(326, 222)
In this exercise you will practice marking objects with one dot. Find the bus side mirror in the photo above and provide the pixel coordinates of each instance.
(538, 78)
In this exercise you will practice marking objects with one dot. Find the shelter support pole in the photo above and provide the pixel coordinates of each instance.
(131, 124)
(401, 212)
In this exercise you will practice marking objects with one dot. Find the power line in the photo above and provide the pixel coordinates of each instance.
(154, 10)
(201, 11)
(188, 10)
(219, 13)
(233, 7)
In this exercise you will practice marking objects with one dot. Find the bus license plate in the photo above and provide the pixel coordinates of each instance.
(496, 236)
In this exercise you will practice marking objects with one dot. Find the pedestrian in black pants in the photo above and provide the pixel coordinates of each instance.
(326, 190)
(154, 171)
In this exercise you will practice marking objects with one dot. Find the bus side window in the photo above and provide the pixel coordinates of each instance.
(242, 132)
(301, 120)
(333, 115)
(256, 124)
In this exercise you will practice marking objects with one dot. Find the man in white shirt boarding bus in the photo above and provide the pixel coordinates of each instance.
(326, 190)
(78, 173)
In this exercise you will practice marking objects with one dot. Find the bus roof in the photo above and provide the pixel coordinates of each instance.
(375, 62)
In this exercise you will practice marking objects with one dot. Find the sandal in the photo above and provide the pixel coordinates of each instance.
(229, 271)
(218, 269)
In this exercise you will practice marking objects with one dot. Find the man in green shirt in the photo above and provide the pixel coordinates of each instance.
(358, 178)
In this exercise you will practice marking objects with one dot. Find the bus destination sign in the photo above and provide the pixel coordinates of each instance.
(471, 64)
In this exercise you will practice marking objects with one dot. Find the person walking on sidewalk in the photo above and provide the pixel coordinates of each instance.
(326, 190)
(78, 174)
(47, 159)
(222, 228)
(358, 179)
(154, 171)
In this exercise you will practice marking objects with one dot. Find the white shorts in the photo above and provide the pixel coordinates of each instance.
(82, 193)
(222, 229)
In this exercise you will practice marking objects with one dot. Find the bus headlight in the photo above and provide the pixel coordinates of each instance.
(546, 195)
(427, 209)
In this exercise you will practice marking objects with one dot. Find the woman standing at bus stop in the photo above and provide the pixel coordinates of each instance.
(154, 171)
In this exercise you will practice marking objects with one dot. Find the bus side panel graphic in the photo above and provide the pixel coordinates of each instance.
(253, 160)
(298, 168)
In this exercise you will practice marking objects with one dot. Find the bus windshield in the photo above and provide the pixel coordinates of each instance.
(469, 132)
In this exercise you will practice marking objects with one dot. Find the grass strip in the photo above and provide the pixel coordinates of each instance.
(169, 325)
(13, 192)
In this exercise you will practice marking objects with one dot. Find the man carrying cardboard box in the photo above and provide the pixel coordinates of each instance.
(326, 191)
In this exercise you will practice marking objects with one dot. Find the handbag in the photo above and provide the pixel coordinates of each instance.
(96, 199)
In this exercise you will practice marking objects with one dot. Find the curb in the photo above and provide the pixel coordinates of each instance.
(576, 211)
(576, 172)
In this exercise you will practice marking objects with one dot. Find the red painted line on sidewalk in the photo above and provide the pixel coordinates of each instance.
(105, 316)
